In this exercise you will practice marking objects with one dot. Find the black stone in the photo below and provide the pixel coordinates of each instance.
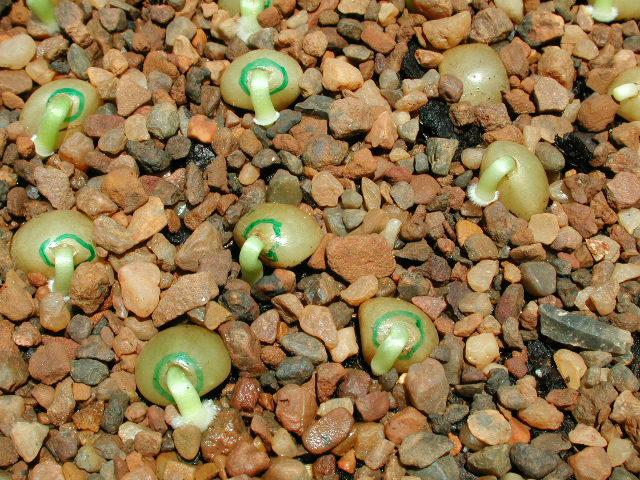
(542, 366)
(410, 66)
(114, 413)
(193, 83)
(436, 122)
(179, 237)
(577, 150)
(201, 155)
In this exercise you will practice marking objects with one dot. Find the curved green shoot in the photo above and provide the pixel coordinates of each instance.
(390, 349)
(250, 263)
(603, 11)
(625, 91)
(45, 11)
(192, 410)
(57, 110)
(486, 190)
(248, 25)
(259, 90)
(64, 267)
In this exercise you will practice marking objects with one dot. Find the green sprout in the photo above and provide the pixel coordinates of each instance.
(259, 91)
(249, 11)
(249, 260)
(390, 349)
(64, 267)
(486, 190)
(58, 109)
(45, 11)
(192, 410)
(603, 11)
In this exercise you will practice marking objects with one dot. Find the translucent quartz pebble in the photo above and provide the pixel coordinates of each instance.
(284, 75)
(200, 352)
(376, 316)
(33, 246)
(290, 235)
(579, 330)
(480, 70)
(83, 95)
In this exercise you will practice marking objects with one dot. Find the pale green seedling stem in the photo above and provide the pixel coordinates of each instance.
(57, 110)
(390, 349)
(486, 190)
(250, 263)
(45, 11)
(265, 113)
(64, 266)
(192, 410)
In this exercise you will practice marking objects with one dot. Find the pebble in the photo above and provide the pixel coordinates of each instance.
(139, 283)
(89, 459)
(13, 370)
(533, 462)
(246, 460)
(541, 414)
(538, 278)
(423, 448)
(361, 290)
(489, 426)
(445, 33)
(114, 412)
(317, 321)
(358, 255)
(571, 366)
(481, 350)
(186, 293)
(326, 189)
(17, 51)
(347, 345)
(591, 463)
(545, 227)
(163, 121)
(480, 276)
(300, 343)
(89, 371)
(619, 451)
(492, 460)
(427, 387)
(579, 330)
(338, 75)
(294, 370)
(28, 438)
(49, 364)
(328, 432)
(586, 435)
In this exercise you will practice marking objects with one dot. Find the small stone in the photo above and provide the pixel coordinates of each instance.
(493, 460)
(131, 93)
(17, 51)
(481, 350)
(540, 27)
(49, 364)
(187, 292)
(300, 343)
(592, 463)
(538, 278)
(163, 120)
(423, 448)
(440, 153)
(89, 371)
(445, 33)
(597, 112)
(88, 458)
(246, 460)
(328, 432)
(427, 387)
(139, 282)
(541, 414)
(317, 321)
(326, 189)
(359, 255)
(545, 227)
(339, 75)
(480, 276)
(489, 426)
(571, 366)
(586, 435)
(533, 462)
(54, 185)
(28, 438)
(572, 328)
(294, 370)
(623, 191)
(347, 345)
(361, 290)
(550, 96)
(619, 451)
(13, 370)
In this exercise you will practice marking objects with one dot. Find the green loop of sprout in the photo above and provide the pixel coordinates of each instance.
(277, 230)
(51, 243)
(72, 92)
(183, 360)
(395, 315)
(266, 64)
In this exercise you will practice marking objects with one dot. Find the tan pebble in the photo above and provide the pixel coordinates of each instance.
(511, 273)
(482, 349)
(619, 451)
(362, 289)
(464, 229)
(544, 227)
(571, 366)
(489, 426)
(480, 276)
(139, 283)
(586, 435)
(347, 345)
(326, 189)
(338, 75)
(248, 174)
